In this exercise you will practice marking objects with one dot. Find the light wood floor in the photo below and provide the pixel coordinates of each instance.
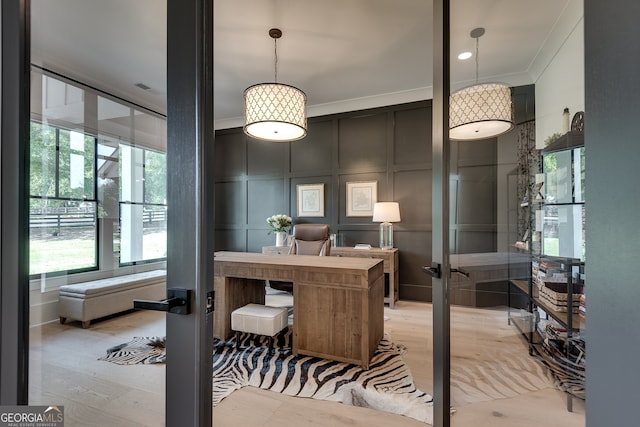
(494, 381)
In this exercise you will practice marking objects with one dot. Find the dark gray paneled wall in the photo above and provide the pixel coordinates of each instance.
(390, 145)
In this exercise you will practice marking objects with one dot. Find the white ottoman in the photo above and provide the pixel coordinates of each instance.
(259, 319)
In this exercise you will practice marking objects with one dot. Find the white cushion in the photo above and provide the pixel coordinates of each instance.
(112, 284)
(259, 319)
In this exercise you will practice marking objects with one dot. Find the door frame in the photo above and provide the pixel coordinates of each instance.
(190, 139)
(14, 231)
(440, 214)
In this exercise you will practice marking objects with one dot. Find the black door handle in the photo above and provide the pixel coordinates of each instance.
(434, 271)
(178, 302)
(460, 271)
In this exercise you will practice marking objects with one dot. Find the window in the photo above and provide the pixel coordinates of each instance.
(143, 210)
(63, 205)
(97, 181)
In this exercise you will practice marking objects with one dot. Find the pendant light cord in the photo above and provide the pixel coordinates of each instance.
(477, 57)
(476, 33)
(275, 64)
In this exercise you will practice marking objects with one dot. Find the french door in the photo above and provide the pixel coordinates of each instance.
(189, 199)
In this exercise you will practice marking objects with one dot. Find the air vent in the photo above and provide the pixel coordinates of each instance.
(142, 86)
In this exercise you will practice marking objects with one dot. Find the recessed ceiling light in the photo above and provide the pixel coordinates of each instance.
(465, 55)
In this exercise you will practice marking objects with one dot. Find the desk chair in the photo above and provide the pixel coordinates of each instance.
(308, 239)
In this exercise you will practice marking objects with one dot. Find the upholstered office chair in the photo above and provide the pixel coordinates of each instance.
(308, 239)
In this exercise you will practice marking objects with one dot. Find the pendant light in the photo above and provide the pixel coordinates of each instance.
(274, 111)
(480, 111)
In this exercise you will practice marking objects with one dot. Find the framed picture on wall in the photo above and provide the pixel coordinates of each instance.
(361, 196)
(310, 199)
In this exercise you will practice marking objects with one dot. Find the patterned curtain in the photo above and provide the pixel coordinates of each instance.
(529, 164)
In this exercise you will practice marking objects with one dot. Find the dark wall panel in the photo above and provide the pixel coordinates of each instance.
(415, 253)
(362, 142)
(230, 200)
(524, 100)
(476, 195)
(473, 196)
(412, 136)
(230, 158)
(257, 238)
(412, 190)
(231, 240)
(266, 158)
(313, 153)
(469, 242)
(265, 198)
(474, 153)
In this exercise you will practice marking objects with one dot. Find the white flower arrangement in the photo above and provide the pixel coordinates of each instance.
(279, 223)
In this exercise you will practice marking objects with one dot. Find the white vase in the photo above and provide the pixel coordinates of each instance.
(281, 236)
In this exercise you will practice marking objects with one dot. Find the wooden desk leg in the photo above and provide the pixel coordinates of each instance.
(392, 291)
(393, 288)
(232, 293)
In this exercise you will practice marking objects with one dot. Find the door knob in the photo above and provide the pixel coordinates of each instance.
(178, 302)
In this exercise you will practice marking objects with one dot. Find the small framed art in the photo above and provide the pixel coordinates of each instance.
(310, 200)
(361, 196)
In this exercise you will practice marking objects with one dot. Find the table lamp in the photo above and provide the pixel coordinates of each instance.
(386, 213)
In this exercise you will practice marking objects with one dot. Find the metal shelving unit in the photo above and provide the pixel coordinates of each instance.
(548, 212)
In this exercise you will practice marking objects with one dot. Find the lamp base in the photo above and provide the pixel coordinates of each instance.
(386, 235)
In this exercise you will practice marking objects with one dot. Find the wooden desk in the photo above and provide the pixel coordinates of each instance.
(338, 302)
(390, 257)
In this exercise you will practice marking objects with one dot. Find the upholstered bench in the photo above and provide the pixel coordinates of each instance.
(259, 319)
(98, 298)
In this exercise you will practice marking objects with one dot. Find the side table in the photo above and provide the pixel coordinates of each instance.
(390, 257)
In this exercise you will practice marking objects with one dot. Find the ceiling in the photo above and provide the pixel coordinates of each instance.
(345, 54)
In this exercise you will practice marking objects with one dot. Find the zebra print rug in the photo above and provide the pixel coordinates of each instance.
(386, 386)
(141, 350)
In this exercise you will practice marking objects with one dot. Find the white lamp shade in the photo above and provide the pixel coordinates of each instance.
(386, 212)
(479, 112)
(275, 112)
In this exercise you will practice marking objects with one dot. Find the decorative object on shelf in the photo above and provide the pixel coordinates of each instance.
(577, 123)
(361, 196)
(274, 111)
(565, 120)
(480, 111)
(310, 200)
(386, 213)
(279, 224)
(574, 137)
